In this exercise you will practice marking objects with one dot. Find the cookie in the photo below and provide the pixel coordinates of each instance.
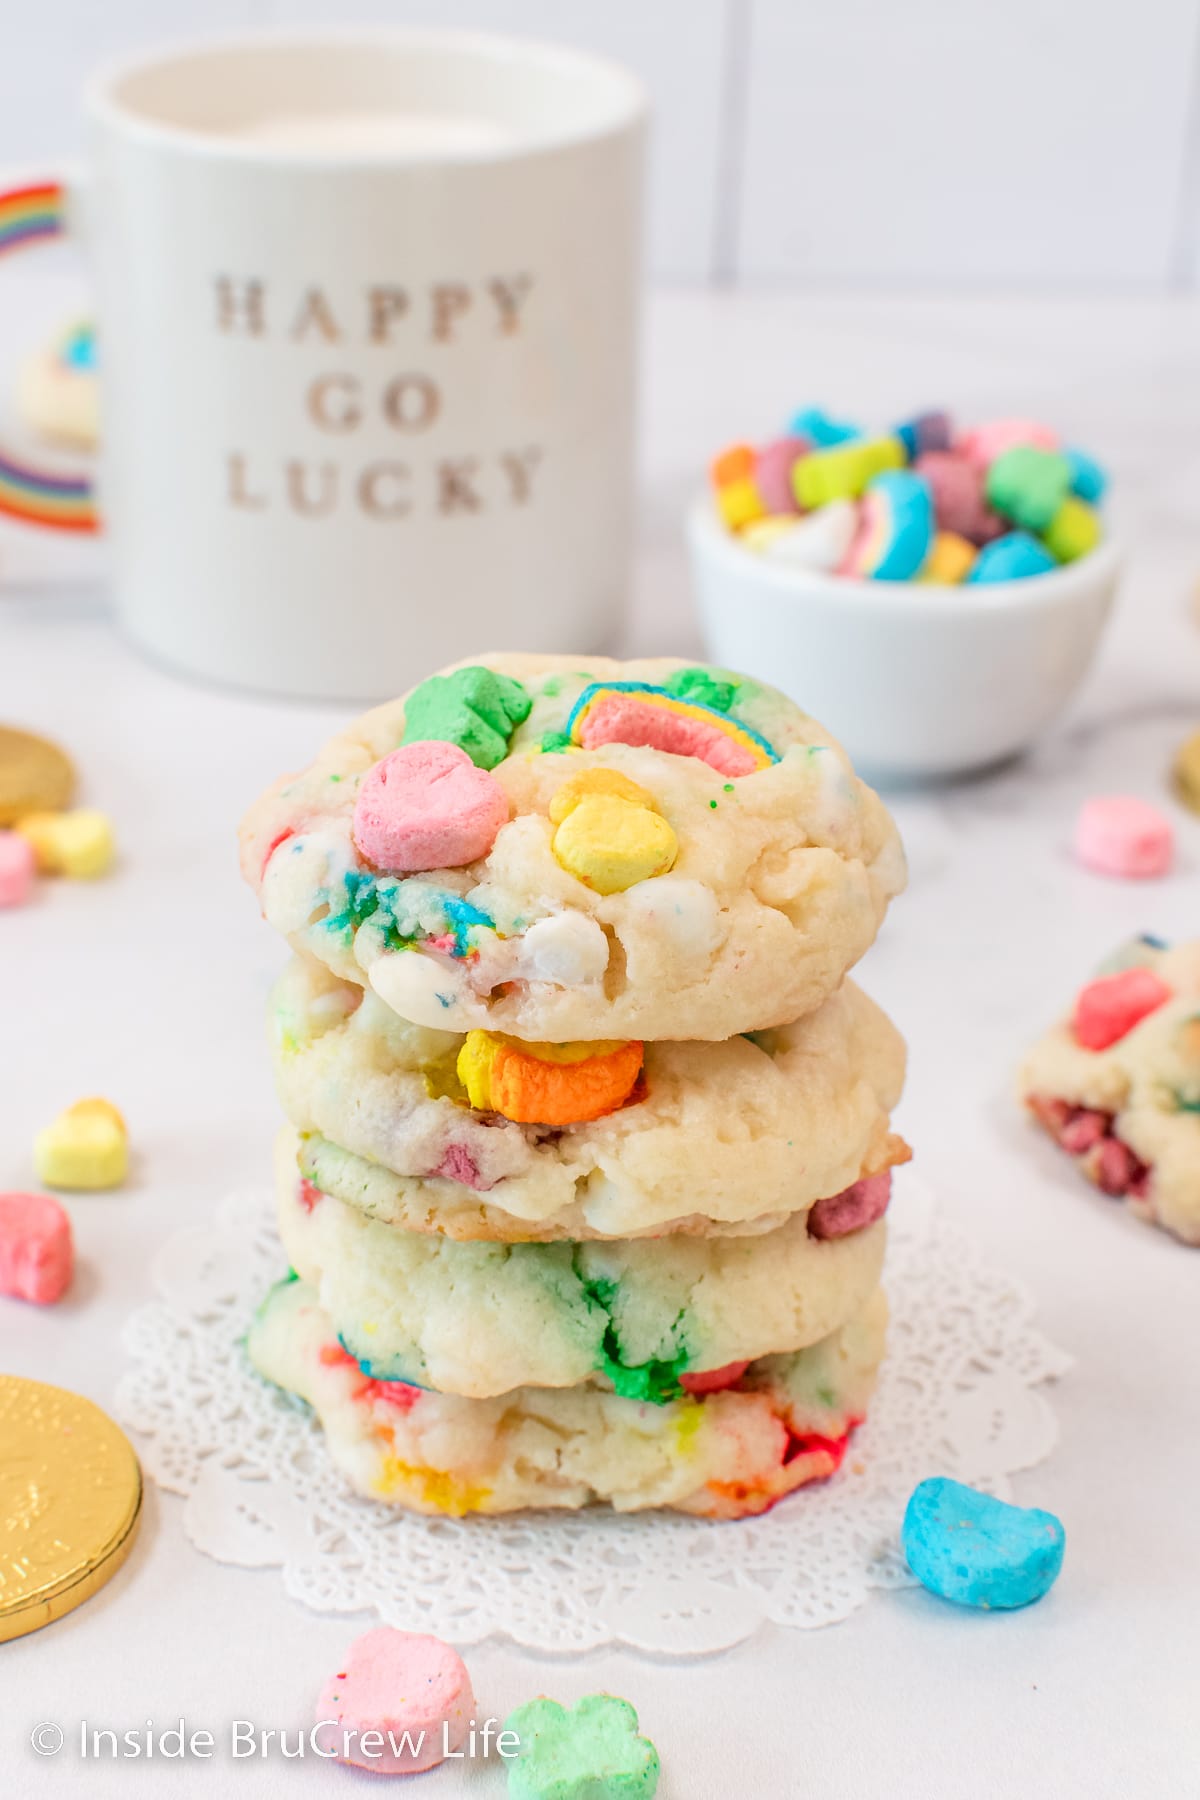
(750, 1129)
(644, 1317)
(686, 854)
(1117, 1083)
(785, 1421)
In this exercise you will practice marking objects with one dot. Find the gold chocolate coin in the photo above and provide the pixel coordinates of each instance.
(35, 775)
(1186, 771)
(70, 1499)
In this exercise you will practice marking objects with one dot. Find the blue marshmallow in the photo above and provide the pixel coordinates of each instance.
(1088, 480)
(1011, 558)
(905, 514)
(821, 431)
(979, 1551)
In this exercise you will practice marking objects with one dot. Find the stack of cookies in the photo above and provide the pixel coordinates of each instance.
(588, 1142)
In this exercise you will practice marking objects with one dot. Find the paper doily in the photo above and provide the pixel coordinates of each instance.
(958, 1396)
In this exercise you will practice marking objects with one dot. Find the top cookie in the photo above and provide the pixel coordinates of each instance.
(571, 849)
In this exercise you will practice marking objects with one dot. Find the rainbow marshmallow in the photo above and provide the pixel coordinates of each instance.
(634, 712)
(896, 528)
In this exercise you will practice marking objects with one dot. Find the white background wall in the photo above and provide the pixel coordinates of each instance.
(1035, 143)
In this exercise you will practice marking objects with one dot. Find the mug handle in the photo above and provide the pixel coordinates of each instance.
(30, 215)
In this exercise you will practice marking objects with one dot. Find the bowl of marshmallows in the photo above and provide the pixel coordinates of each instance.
(933, 594)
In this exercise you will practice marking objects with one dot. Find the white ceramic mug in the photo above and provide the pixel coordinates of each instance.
(367, 310)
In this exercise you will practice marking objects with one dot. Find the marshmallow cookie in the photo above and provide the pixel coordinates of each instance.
(471, 1136)
(733, 1451)
(577, 851)
(650, 1319)
(1117, 1083)
(58, 393)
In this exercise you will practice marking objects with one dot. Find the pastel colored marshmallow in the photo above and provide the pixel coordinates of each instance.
(1014, 557)
(590, 1751)
(734, 464)
(1119, 834)
(821, 429)
(856, 1207)
(928, 431)
(895, 528)
(401, 1703)
(660, 721)
(740, 503)
(77, 844)
(949, 561)
(1107, 1009)
(1089, 481)
(984, 443)
(772, 472)
(476, 708)
(590, 782)
(87, 1146)
(738, 499)
(978, 1551)
(844, 472)
(427, 806)
(819, 540)
(610, 844)
(17, 867)
(568, 948)
(37, 1251)
(1028, 485)
(547, 1084)
(1074, 531)
(959, 501)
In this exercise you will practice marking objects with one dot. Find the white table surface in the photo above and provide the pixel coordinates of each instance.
(149, 987)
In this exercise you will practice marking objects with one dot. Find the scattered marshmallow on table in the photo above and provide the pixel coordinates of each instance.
(400, 1703)
(589, 1751)
(17, 868)
(77, 844)
(1002, 501)
(86, 1146)
(1120, 834)
(37, 1251)
(978, 1551)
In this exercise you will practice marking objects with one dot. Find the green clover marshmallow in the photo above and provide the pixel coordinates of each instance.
(590, 1751)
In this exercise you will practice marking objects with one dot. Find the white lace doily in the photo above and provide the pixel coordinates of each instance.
(958, 1396)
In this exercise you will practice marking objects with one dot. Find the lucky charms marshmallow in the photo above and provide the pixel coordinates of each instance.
(570, 850)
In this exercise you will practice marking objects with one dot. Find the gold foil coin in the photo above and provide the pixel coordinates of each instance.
(1186, 771)
(35, 775)
(70, 1500)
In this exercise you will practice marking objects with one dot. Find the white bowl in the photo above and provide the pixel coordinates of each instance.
(914, 680)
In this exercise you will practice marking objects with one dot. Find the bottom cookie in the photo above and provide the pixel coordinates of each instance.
(781, 1422)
